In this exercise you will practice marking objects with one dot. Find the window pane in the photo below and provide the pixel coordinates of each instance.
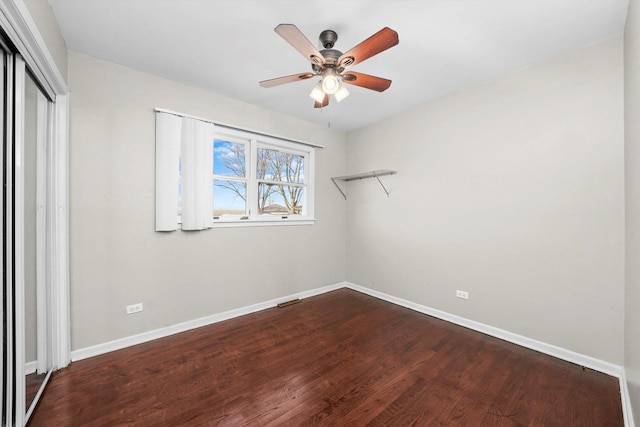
(274, 165)
(228, 158)
(229, 197)
(280, 199)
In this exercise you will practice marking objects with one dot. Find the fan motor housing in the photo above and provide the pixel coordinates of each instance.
(331, 56)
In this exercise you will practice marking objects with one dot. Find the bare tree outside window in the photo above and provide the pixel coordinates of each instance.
(279, 176)
(229, 161)
(278, 172)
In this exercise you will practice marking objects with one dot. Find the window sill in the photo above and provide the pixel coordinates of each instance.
(262, 222)
(230, 223)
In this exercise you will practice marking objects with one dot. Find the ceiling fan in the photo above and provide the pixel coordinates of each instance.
(332, 65)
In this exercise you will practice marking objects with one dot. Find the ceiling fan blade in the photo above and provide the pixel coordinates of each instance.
(286, 79)
(380, 41)
(324, 102)
(366, 81)
(295, 38)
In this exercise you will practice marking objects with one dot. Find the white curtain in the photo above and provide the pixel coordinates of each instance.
(197, 173)
(168, 135)
(190, 141)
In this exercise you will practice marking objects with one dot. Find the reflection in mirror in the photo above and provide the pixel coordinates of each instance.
(36, 342)
(4, 307)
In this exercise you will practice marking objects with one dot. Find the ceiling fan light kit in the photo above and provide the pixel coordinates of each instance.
(332, 65)
(329, 81)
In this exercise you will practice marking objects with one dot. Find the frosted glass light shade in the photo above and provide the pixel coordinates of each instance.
(341, 93)
(316, 93)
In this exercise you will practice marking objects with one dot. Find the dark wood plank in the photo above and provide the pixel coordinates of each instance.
(341, 358)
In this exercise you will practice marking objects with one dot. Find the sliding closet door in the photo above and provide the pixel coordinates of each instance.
(5, 307)
(37, 353)
(13, 344)
(31, 307)
(17, 192)
(35, 296)
(25, 127)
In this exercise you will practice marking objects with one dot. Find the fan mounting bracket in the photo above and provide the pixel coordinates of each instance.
(328, 38)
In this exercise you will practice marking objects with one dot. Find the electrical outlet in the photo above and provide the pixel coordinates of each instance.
(462, 294)
(134, 308)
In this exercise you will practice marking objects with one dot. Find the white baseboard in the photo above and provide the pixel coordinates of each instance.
(121, 343)
(626, 401)
(30, 367)
(552, 350)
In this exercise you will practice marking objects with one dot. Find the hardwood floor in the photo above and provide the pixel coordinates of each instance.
(338, 359)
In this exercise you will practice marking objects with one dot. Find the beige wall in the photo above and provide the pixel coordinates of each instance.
(632, 193)
(513, 191)
(116, 256)
(42, 15)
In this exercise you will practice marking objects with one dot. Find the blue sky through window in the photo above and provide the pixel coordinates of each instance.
(229, 195)
(228, 158)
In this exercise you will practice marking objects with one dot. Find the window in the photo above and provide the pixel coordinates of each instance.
(210, 175)
(259, 180)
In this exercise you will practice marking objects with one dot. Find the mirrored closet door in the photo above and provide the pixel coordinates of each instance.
(6, 344)
(26, 126)
(35, 251)
(36, 313)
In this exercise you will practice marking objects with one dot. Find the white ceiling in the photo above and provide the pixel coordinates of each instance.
(228, 46)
